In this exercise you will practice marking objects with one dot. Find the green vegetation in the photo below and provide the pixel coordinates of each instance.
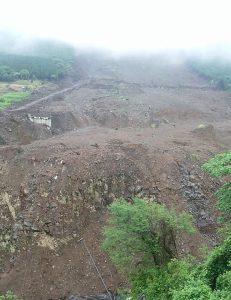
(218, 72)
(218, 264)
(142, 233)
(20, 69)
(184, 279)
(13, 67)
(40, 59)
(9, 296)
(141, 240)
(220, 166)
(9, 98)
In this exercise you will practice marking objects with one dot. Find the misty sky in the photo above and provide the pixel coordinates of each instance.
(123, 25)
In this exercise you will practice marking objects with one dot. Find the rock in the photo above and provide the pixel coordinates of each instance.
(18, 227)
(196, 199)
(95, 145)
(138, 189)
(27, 223)
(29, 226)
(2, 141)
(205, 131)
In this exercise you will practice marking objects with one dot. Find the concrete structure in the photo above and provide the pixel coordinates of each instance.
(40, 120)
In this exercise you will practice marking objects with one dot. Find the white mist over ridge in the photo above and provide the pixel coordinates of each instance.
(124, 26)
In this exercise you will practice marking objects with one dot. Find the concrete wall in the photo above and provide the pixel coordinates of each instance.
(40, 120)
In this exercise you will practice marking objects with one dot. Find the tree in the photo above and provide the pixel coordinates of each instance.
(24, 74)
(218, 263)
(220, 166)
(143, 233)
(6, 73)
(42, 66)
(141, 240)
(194, 290)
(159, 282)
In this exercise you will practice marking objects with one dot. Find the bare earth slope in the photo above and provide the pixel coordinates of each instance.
(129, 129)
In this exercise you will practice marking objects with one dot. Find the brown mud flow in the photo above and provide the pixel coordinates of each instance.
(134, 128)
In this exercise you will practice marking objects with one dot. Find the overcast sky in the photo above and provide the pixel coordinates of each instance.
(123, 25)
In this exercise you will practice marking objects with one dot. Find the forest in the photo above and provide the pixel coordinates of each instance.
(41, 60)
(215, 70)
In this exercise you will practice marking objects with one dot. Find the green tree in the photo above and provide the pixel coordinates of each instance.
(6, 73)
(24, 74)
(223, 287)
(220, 166)
(218, 263)
(38, 63)
(194, 290)
(159, 282)
(141, 240)
(197, 286)
(143, 233)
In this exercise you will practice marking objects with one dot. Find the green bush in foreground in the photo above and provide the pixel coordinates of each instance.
(218, 263)
(219, 166)
(143, 233)
(193, 290)
(181, 280)
(184, 279)
(140, 239)
(9, 296)
(160, 282)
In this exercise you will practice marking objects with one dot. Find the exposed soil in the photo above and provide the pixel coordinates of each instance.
(128, 128)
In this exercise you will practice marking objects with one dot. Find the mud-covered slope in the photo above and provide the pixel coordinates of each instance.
(129, 131)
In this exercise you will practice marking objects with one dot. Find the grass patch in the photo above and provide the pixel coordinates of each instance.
(14, 97)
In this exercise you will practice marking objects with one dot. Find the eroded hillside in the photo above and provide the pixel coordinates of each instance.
(130, 127)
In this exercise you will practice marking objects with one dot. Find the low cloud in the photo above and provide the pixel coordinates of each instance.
(123, 26)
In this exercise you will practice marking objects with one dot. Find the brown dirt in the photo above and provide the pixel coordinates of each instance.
(129, 131)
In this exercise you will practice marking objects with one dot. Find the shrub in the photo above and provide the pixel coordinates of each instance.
(219, 166)
(218, 263)
(143, 233)
(9, 295)
(159, 282)
(193, 290)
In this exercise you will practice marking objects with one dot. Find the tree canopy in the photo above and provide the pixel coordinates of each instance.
(143, 233)
(140, 239)
(41, 59)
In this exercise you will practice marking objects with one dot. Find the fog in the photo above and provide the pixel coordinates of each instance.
(123, 26)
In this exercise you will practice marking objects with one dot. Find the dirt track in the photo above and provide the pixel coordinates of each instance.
(129, 130)
(48, 97)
